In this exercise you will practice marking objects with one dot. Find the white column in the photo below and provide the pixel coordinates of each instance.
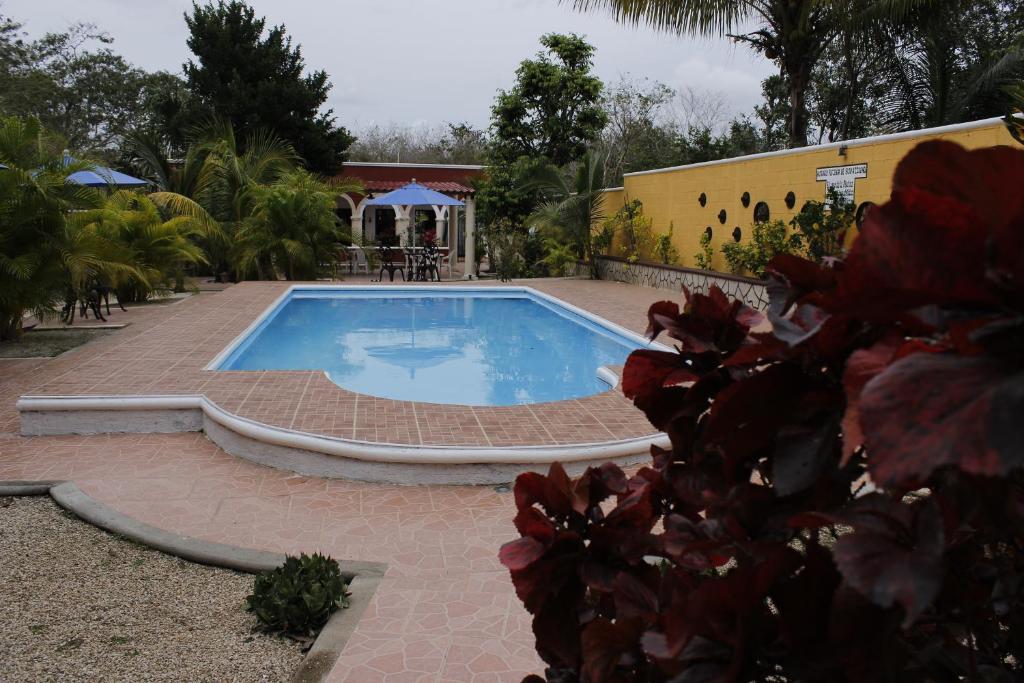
(356, 227)
(439, 221)
(453, 239)
(470, 238)
(402, 225)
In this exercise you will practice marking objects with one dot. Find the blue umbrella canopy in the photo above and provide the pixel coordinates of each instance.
(101, 176)
(414, 194)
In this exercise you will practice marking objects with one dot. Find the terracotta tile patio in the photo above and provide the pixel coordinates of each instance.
(445, 611)
(165, 350)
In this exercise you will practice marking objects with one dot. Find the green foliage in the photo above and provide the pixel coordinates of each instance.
(156, 241)
(254, 78)
(603, 239)
(506, 244)
(572, 203)
(299, 596)
(950, 62)
(78, 87)
(767, 240)
(637, 136)
(292, 230)
(43, 255)
(1015, 118)
(505, 192)
(706, 253)
(663, 247)
(560, 258)
(636, 231)
(822, 225)
(553, 111)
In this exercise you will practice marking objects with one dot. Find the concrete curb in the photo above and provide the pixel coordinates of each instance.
(364, 577)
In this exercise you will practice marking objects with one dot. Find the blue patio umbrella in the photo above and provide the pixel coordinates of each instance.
(101, 176)
(414, 194)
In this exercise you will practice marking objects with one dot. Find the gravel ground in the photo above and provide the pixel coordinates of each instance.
(79, 604)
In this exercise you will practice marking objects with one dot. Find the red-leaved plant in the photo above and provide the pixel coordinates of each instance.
(843, 499)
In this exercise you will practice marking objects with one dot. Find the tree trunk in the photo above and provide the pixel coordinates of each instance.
(798, 109)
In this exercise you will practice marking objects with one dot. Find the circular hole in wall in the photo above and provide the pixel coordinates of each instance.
(761, 212)
(703, 199)
(862, 212)
(790, 199)
(722, 216)
(709, 232)
(745, 198)
(737, 234)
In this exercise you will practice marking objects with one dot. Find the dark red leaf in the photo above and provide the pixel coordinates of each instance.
(889, 569)
(931, 244)
(803, 452)
(647, 371)
(861, 367)
(746, 415)
(533, 523)
(633, 599)
(927, 411)
(557, 628)
(604, 643)
(520, 553)
(659, 313)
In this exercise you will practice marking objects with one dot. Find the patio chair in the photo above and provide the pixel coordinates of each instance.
(391, 260)
(446, 262)
(357, 260)
(427, 261)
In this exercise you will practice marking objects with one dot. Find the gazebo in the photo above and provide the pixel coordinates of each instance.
(375, 212)
(406, 199)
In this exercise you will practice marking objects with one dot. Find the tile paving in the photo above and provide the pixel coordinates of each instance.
(445, 611)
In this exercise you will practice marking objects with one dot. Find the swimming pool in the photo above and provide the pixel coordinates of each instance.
(484, 346)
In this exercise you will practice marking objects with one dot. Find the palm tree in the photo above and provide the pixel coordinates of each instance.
(942, 69)
(155, 234)
(572, 203)
(292, 229)
(231, 175)
(792, 33)
(41, 256)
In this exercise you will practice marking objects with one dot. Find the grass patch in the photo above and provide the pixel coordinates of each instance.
(35, 344)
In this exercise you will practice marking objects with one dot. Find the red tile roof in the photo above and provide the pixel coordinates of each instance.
(438, 186)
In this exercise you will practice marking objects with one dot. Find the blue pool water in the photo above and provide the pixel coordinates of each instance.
(487, 348)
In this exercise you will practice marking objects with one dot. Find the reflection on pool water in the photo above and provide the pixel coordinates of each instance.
(487, 348)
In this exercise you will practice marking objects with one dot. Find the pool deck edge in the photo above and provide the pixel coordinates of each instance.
(312, 454)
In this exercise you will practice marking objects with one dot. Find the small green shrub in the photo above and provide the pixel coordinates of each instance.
(706, 253)
(767, 240)
(506, 243)
(635, 228)
(603, 238)
(299, 596)
(560, 258)
(822, 225)
(667, 253)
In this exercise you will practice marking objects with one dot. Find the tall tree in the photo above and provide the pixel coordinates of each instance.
(638, 135)
(950, 62)
(792, 33)
(77, 86)
(254, 78)
(554, 109)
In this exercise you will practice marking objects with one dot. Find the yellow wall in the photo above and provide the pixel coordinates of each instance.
(671, 195)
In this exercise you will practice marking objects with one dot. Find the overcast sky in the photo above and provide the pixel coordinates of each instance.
(420, 61)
